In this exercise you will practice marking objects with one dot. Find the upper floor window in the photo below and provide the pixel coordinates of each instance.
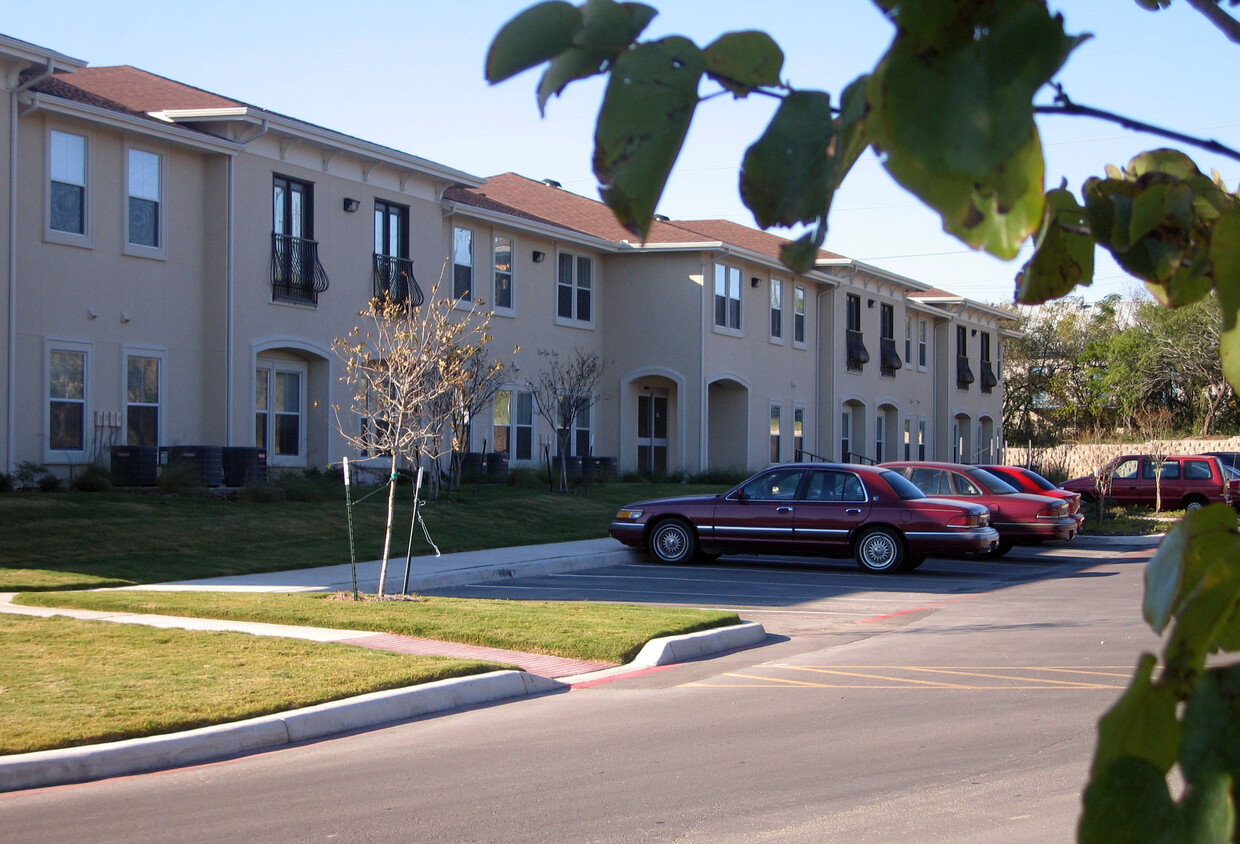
(728, 298)
(798, 314)
(145, 190)
(292, 207)
(67, 201)
(777, 309)
(462, 263)
(964, 374)
(296, 274)
(575, 288)
(393, 275)
(889, 359)
(989, 379)
(922, 345)
(858, 356)
(503, 253)
(908, 342)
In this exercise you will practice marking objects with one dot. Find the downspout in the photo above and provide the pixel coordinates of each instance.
(230, 272)
(10, 387)
(820, 423)
(703, 398)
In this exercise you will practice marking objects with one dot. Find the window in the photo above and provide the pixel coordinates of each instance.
(575, 288)
(1196, 470)
(503, 421)
(880, 435)
(798, 314)
(524, 419)
(67, 200)
(502, 253)
(144, 198)
(279, 406)
(921, 439)
(777, 309)
(776, 485)
(921, 345)
(845, 435)
(728, 298)
(393, 269)
(834, 486)
(66, 400)
(1169, 470)
(776, 429)
(989, 380)
(142, 390)
(462, 263)
(908, 342)
(964, 374)
(908, 439)
(798, 432)
(889, 359)
(296, 274)
(514, 424)
(1126, 471)
(857, 356)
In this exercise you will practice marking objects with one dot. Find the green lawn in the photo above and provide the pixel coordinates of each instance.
(78, 540)
(65, 682)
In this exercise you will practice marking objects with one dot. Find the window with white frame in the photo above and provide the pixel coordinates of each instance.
(728, 298)
(845, 435)
(777, 309)
(575, 288)
(776, 431)
(501, 438)
(145, 192)
(523, 423)
(798, 432)
(67, 392)
(908, 342)
(503, 252)
(880, 437)
(921, 439)
(798, 315)
(67, 190)
(922, 345)
(908, 439)
(580, 441)
(279, 411)
(143, 373)
(462, 263)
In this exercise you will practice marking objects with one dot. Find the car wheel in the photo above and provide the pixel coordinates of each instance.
(998, 551)
(1194, 502)
(672, 541)
(880, 550)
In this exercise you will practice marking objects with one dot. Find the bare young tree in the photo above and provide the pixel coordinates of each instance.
(1157, 425)
(565, 391)
(478, 381)
(399, 366)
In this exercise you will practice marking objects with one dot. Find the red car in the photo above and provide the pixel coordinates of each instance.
(821, 509)
(1020, 517)
(1027, 480)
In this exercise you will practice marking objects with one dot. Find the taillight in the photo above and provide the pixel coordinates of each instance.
(1053, 512)
(962, 521)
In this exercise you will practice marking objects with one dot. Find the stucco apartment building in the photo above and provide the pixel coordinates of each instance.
(177, 265)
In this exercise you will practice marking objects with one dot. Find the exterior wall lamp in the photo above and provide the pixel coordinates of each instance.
(351, 204)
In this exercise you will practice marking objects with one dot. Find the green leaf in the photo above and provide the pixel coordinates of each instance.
(1064, 254)
(1209, 813)
(538, 34)
(801, 254)
(1191, 547)
(744, 61)
(1141, 724)
(786, 176)
(1128, 803)
(1225, 256)
(607, 30)
(646, 111)
(1212, 728)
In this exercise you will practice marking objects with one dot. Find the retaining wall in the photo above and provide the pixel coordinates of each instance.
(1079, 460)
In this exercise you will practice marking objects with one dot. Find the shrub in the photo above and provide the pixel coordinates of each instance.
(92, 479)
(177, 477)
(27, 472)
(49, 483)
(7, 482)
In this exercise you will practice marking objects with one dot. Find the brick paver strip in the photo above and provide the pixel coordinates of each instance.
(541, 664)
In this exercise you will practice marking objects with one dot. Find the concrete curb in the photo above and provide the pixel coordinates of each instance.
(192, 747)
(508, 571)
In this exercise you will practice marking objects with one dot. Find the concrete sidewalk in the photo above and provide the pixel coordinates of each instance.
(541, 674)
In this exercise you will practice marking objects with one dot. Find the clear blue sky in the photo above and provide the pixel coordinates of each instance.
(409, 75)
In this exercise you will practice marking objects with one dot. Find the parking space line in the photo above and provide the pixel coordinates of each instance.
(1012, 678)
(898, 680)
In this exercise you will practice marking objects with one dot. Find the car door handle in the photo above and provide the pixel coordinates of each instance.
(853, 511)
(783, 509)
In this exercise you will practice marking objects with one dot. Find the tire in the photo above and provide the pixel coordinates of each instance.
(998, 551)
(913, 561)
(672, 541)
(707, 556)
(1194, 502)
(880, 550)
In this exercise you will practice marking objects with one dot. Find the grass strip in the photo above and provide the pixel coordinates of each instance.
(65, 682)
(578, 630)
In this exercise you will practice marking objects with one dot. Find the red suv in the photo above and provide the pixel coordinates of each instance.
(1189, 481)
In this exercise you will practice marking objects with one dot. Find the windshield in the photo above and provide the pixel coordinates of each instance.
(991, 482)
(1042, 482)
(903, 486)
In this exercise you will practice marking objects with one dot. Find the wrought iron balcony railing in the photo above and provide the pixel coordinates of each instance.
(296, 274)
(393, 279)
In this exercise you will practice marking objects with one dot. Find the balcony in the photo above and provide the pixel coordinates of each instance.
(296, 274)
(858, 357)
(964, 374)
(393, 279)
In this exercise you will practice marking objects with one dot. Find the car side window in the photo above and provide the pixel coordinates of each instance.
(780, 485)
(964, 486)
(1170, 470)
(1197, 470)
(834, 486)
(1126, 471)
(931, 481)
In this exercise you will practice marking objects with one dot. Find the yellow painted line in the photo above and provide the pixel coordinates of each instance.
(894, 680)
(888, 687)
(1062, 683)
(779, 681)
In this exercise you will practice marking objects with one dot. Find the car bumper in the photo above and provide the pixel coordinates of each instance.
(952, 543)
(632, 534)
(1044, 530)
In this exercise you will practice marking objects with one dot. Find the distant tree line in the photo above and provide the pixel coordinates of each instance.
(1096, 370)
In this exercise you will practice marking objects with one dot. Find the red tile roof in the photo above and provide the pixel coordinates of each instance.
(141, 91)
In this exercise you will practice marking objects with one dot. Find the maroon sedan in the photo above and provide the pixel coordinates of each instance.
(1020, 517)
(821, 509)
(1027, 480)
